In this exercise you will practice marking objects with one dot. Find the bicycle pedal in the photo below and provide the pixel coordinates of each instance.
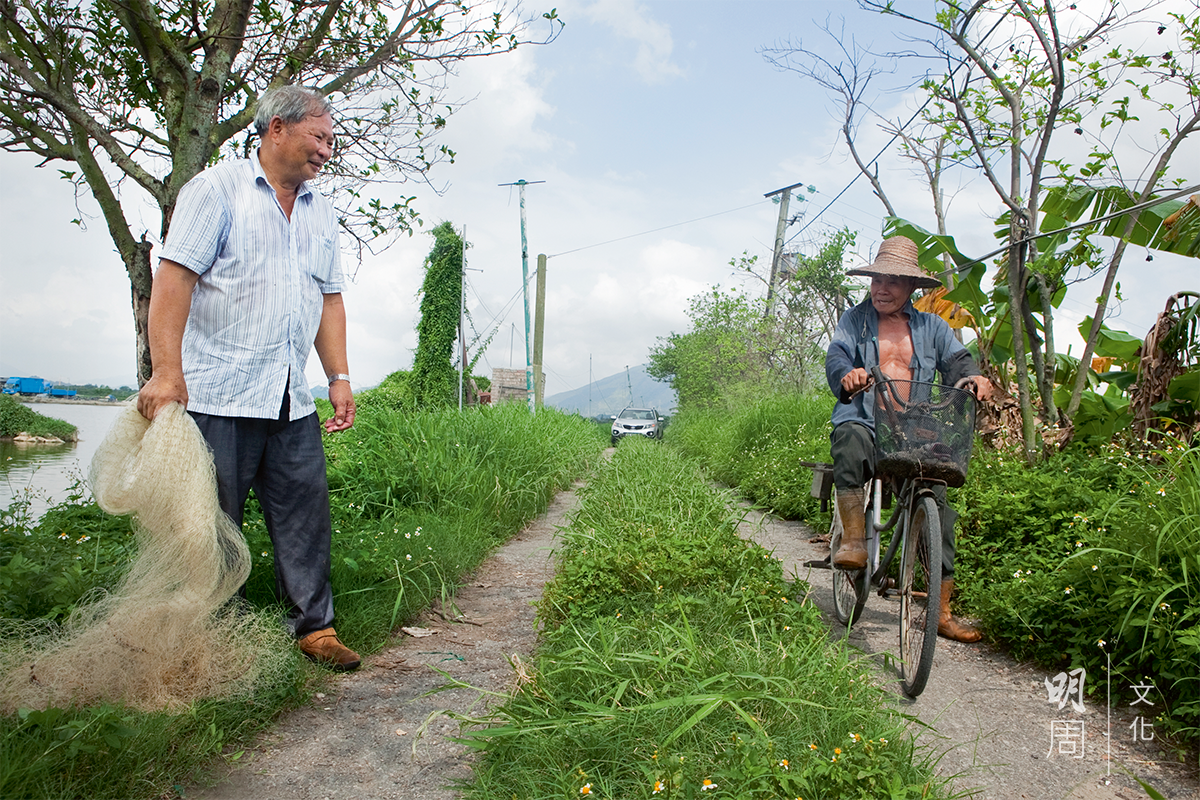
(886, 586)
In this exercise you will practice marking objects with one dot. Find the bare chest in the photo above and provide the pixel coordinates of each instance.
(895, 348)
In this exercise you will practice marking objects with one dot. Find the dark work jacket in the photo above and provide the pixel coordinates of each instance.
(856, 344)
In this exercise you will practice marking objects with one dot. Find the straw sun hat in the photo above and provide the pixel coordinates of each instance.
(898, 256)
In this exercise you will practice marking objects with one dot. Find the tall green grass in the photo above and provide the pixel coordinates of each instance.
(759, 448)
(676, 654)
(417, 500)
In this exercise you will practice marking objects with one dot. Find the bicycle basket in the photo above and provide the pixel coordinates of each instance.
(923, 430)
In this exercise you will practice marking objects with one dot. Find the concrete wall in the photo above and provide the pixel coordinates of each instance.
(508, 385)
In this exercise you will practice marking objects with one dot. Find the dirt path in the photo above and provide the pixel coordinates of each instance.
(990, 715)
(359, 739)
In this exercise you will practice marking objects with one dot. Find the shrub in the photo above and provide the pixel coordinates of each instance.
(759, 448)
(16, 417)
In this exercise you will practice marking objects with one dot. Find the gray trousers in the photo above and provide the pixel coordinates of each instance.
(852, 446)
(284, 462)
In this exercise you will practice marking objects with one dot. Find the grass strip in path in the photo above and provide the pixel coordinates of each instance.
(676, 663)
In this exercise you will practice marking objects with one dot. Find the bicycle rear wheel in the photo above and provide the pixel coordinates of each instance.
(920, 594)
(850, 586)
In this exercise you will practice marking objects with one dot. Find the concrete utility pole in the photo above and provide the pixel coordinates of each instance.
(539, 333)
(521, 184)
(780, 231)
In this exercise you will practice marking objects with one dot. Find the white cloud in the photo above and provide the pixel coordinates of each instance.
(631, 20)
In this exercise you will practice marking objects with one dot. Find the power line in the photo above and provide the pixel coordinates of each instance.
(656, 230)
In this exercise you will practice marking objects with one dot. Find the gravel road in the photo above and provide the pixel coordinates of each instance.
(989, 718)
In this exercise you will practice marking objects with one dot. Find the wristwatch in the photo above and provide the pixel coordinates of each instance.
(333, 378)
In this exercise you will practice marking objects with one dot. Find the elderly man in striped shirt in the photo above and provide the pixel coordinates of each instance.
(249, 281)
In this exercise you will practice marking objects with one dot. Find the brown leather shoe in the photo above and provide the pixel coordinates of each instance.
(326, 649)
(948, 625)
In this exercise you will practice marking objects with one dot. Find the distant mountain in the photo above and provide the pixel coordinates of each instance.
(609, 395)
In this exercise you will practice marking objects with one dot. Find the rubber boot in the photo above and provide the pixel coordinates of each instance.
(852, 554)
(948, 625)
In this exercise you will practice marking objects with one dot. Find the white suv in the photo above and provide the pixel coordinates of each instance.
(637, 422)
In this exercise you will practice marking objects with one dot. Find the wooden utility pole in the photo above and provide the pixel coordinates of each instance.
(780, 232)
(539, 333)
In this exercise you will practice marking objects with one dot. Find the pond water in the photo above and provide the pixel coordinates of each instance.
(47, 473)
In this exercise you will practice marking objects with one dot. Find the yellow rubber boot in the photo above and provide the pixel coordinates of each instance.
(852, 554)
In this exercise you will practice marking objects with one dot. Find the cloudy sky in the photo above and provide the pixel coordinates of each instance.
(657, 127)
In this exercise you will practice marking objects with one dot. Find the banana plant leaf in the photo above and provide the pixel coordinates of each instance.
(1172, 226)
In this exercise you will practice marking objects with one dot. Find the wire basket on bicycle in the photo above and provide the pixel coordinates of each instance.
(923, 430)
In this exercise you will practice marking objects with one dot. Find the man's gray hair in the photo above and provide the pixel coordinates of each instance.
(291, 104)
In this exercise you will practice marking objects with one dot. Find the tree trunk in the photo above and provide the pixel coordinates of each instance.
(1016, 289)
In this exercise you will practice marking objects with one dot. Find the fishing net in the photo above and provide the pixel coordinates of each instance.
(172, 631)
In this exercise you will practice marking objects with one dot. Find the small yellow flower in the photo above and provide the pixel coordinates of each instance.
(837, 751)
(1067, 590)
(812, 747)
(855, 737)
(784, 764)
(708, 784)
(1101, 643)
(585, 789)
(658, 787)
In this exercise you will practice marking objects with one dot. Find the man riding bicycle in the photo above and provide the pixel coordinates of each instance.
(885, 331)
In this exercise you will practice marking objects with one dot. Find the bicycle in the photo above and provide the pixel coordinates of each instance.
(923, 438)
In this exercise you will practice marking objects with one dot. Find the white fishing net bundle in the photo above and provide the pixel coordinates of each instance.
(169, 633)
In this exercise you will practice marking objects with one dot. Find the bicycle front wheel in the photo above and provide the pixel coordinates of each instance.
(920, 594)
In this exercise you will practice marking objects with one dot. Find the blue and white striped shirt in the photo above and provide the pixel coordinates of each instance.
(257, 305)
